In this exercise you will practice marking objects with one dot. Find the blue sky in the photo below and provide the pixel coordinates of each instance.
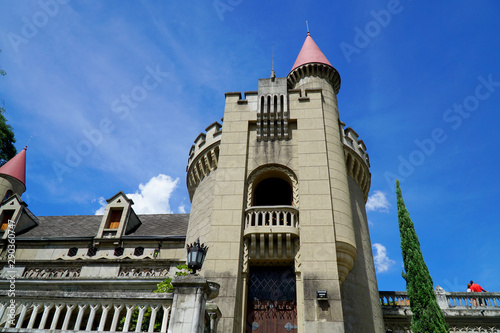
(113, 93)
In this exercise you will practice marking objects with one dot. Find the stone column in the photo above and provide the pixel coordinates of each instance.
(191, 293)
(441, 297)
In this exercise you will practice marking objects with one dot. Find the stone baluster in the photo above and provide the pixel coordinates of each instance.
(34, 313)
(81, 310)
(116, 316)
(140, 317)
(164, 322)
(67, 317)
(90, 321)
(128, 317)
(57, 313)
(104, 315)
(154, 311)
(46, 310)
(22, 314)
(8, 319)
(3, 306)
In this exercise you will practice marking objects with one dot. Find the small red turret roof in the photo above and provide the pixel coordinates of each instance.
(310, 53)
(16, 167)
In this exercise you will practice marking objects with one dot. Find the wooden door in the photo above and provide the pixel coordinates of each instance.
(272, 305)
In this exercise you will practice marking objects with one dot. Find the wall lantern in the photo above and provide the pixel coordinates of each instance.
(196, 255)
(321, 295)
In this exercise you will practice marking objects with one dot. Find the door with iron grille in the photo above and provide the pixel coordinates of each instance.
(272, 303)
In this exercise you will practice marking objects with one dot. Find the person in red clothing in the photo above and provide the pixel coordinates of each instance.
(474, 287)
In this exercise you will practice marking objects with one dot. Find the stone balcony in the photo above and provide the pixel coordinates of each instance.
(463, 311)
(271, 232)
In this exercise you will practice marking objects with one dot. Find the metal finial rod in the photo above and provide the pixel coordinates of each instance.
(272, 67)
(29, 141)
(307, 26)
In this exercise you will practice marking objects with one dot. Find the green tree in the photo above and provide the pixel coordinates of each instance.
(427, 315)
(7, 140)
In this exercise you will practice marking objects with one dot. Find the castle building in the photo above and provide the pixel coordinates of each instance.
(277, 193)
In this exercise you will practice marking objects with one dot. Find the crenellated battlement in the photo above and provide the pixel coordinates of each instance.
(203, 156)
(356, 158)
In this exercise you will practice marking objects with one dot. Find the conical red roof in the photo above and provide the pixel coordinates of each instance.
(310, 53)
(16, 167)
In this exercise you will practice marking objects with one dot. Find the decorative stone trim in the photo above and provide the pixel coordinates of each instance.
(315, 69)
(346, 254)
(143, 272)
(51, 273)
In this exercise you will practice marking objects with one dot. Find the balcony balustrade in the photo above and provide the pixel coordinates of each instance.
(463, 311)
(271, 232)
(266, 218)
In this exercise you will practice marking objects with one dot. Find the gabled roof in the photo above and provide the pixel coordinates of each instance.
(310, 53)
(163, 225)
(16, 167)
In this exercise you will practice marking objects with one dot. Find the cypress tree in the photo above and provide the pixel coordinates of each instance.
(427, 315)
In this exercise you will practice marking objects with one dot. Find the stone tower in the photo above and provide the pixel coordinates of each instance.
(278, 194)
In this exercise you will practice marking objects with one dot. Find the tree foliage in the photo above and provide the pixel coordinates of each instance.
(166, 285)
(7, 140)
(427, 315)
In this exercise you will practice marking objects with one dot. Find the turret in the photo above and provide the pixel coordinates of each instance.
(312, 62)
(12, 176)
(312, 72)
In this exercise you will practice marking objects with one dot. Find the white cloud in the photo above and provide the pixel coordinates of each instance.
(377, 202)
(102, 202)
(382, 261)
(152, 197)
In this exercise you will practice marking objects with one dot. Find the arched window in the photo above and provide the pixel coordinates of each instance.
(7, 195)
(273, 192)
(272, 185)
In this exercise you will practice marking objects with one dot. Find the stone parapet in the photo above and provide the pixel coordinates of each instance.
(356, 159)
(203, 156)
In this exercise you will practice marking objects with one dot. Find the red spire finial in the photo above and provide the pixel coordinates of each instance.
(16, 166)
(310, 53)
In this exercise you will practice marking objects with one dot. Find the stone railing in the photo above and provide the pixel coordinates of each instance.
(271, 232)
(57, 311)
(272, 216)
(463, 311)
(446, 300)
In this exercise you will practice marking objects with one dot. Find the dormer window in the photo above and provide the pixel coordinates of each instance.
(7, 215)
(115, 216)
(118, 219)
